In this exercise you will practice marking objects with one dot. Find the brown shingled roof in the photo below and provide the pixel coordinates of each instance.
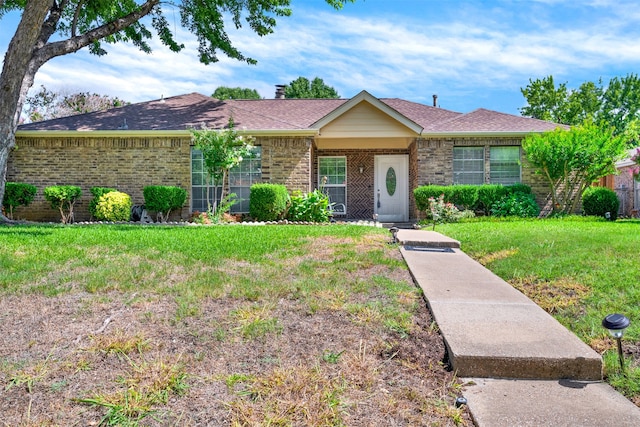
(193, 110)
(482, 120)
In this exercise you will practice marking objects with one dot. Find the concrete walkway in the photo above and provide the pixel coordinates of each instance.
(522, 367)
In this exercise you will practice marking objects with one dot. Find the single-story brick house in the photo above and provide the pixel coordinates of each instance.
(374, 152)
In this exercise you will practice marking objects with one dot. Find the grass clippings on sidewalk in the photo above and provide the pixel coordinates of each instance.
(220, 326)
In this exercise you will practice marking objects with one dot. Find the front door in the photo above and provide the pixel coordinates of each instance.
(391, 202)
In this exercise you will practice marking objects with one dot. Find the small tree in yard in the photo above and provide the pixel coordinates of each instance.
(18, 194)
(221, 151)
(63, 198)
(571, 160)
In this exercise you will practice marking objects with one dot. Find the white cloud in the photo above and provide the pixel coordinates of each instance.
(456, 51)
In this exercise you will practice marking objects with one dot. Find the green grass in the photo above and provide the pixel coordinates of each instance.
(579, 269)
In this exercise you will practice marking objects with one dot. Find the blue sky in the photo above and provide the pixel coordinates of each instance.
(471, 54)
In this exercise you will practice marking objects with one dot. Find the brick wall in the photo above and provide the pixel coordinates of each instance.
(287, 161)
(127, 164)
(435, 162)
(360, 191)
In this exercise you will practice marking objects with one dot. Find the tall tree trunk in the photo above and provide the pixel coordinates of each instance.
(12, 80)
(29, 49)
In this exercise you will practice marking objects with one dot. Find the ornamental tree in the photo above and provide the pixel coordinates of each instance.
(52, 28)
(571, 160)
(221, 151)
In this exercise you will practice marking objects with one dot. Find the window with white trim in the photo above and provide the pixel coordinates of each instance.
(333, 169)
(504, 165)
(241, 178)
(468, 165)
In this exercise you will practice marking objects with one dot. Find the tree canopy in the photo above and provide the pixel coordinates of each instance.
(224, 92)
(46, 104)
(303, 88)
(571, 160)
(617, 104)
(52, 28)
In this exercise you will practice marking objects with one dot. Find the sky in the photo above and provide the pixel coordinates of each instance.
(472, 54)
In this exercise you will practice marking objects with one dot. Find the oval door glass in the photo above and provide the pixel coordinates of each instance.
(391, 181)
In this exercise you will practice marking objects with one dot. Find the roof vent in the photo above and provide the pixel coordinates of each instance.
(280, 91)
(435, 100)
(124, 125)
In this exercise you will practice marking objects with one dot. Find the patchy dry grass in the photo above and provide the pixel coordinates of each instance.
(224, 326)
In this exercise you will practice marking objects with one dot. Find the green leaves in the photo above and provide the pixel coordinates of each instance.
(570, 160)
(303, 88)
(617, 105)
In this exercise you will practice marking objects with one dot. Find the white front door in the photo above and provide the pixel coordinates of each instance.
(391, 202)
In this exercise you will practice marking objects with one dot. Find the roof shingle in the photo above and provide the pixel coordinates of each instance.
(194, 110)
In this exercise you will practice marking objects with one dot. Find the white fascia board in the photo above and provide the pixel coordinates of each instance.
(152, 133)
(476, 134)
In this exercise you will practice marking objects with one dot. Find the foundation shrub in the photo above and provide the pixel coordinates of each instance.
(424, 193)
(312, 207)
(521, 205)
(17, 194)
(63, 198)
(464, 196)
(163, 199)
(97, 192)
(268, 202)
(597, 201)
(113, 206)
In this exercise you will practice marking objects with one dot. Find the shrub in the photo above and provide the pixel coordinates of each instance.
(463, 196)
(488, 195)
(63, 197)
(517, 204)
(600, 200)
(163, 199)
(519, 188)
(113, 206)
(424, 193)
(97, 192)
(17, 194)
(268, 202)
(441, 211)
(312, 207)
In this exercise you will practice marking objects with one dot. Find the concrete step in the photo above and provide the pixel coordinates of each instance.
(563, 403)
(425, 239)
(491, 329)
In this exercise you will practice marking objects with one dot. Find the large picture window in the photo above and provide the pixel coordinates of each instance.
(504, 165)
(334, 170)
(241, 178)
(468, 165)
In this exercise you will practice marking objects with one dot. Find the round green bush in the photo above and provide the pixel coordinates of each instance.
(517, 204)
(113, 206)
(598, 201)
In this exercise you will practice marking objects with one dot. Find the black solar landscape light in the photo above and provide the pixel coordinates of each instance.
(616, 324)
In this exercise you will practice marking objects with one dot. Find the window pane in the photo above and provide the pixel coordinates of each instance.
(335, 170)
(468, 165)
(505, 165)
(241, 178)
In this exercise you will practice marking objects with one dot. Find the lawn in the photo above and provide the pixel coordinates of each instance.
(578, 269)
(224, 325)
